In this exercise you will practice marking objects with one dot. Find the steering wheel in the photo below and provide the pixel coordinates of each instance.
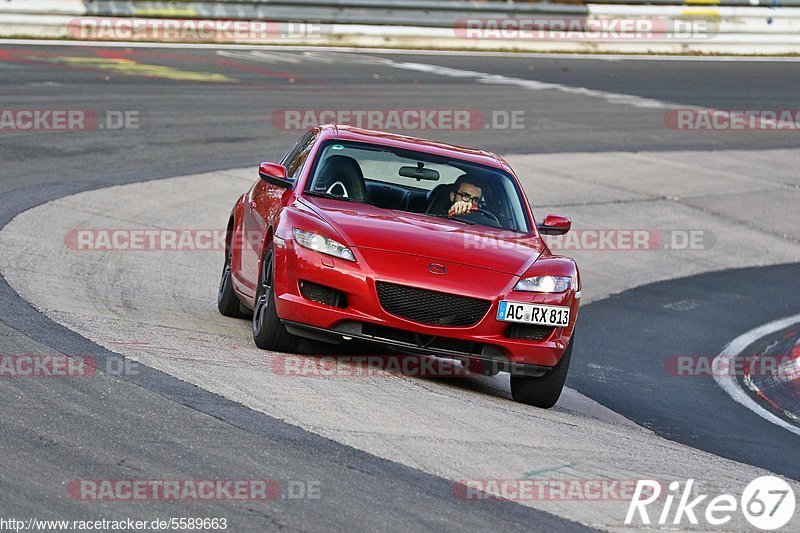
(486, 213)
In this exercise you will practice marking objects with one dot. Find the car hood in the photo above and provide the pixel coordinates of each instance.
(370, 227)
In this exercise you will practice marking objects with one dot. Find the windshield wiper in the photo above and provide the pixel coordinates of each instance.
(452, 217)
(334, 197)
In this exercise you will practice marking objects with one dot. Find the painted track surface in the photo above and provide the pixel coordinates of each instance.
(179, 137)
(774, 375)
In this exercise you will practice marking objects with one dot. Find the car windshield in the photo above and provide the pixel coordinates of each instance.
(417, 182)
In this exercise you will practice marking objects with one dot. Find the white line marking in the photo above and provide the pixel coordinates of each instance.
(534, 85)
(293, 48)
(729, 383)
(262, 56)
(496, 79)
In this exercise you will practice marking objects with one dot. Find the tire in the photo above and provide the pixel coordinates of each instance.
(543, 391)
(227, 301)
(269, 333)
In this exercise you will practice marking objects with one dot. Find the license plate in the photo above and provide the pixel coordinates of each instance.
(542, 315)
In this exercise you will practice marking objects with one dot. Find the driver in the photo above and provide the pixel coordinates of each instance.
(466, 195)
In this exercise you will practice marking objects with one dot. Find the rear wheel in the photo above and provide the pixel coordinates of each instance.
(227, 301)
(269, 333)
(545, 390)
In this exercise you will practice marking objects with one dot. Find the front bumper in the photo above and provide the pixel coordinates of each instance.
(364, 318)
(348, 331)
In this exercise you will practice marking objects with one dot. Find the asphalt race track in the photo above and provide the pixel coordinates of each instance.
(386, 452)
(633, 380)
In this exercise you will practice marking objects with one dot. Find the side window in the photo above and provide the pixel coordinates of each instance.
(295, 159)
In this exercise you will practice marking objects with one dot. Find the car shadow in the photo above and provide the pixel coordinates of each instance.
(361, 358)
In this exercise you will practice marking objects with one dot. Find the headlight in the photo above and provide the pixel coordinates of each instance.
(544, 284)
(323, 245)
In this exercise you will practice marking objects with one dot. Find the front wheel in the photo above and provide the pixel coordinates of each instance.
(545, 390)
(269, 333)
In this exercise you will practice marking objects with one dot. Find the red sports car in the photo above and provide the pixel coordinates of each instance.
(419, 245)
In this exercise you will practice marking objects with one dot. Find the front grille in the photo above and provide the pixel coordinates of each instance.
(528, 332)
(431, 307)
(322, 294)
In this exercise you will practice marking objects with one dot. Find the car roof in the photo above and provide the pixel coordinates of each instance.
(351, 133)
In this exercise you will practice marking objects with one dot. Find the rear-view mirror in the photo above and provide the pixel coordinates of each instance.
(420, 173)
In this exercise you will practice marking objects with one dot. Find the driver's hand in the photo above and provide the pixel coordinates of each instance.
(460, 208)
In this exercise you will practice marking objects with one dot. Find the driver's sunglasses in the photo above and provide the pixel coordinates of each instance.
(466, 197)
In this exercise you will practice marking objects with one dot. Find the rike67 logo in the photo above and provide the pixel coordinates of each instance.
(767, 503)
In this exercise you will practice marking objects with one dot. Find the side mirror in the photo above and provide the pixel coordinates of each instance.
(275, 174)
(554, 225)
